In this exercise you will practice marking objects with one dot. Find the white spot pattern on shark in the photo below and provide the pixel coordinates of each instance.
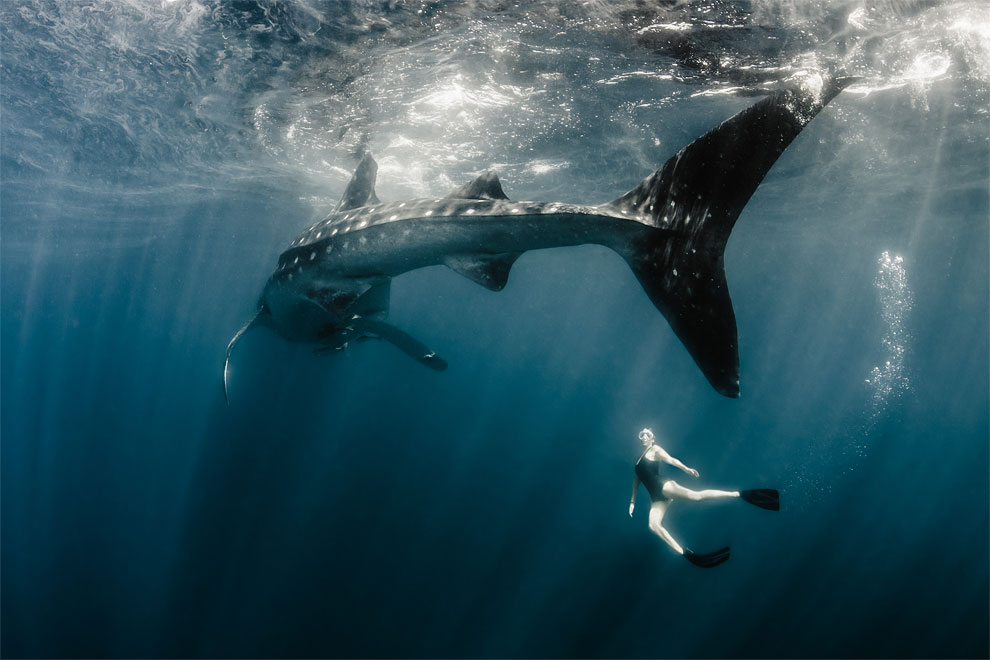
(700, 192)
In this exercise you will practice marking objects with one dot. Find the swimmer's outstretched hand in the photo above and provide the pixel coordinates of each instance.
(632, 505)
(693, 472)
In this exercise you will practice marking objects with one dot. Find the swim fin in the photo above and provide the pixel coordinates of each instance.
(708, 560)
(765, 498)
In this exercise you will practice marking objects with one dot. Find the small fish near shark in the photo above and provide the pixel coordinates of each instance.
(332, 285)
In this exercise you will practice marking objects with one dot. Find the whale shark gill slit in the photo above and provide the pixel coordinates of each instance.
(671, 229)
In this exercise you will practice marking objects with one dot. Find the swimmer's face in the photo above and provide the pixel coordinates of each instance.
(646, 437)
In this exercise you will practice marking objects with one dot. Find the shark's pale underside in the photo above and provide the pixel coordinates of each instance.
(331, 285)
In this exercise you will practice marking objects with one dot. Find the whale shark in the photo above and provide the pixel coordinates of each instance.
(331, 286)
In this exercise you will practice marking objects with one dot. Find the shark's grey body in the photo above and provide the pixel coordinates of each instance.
(332, 284)
(352, 252)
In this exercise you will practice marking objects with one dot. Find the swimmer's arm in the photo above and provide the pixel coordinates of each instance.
(632, 500)
(667, 458)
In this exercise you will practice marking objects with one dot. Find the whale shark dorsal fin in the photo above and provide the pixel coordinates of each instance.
(489, 270)
(486, 186)
(360, 190)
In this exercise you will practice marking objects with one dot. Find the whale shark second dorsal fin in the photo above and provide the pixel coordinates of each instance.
(486, 186)
(360, 190)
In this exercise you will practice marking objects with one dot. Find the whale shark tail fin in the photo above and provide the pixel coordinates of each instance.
(692, 202)
(259, 319)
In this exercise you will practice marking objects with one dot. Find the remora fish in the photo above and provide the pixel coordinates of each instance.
(331, 285)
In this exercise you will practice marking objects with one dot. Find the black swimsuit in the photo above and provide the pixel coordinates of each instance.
(649, 474)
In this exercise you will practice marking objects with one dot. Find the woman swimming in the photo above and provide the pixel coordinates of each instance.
(663, 491)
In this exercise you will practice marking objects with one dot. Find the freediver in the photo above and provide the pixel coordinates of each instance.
(664, 491)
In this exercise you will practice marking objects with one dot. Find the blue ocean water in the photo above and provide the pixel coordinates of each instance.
(158, 155)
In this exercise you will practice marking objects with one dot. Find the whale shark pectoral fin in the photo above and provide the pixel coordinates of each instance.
(259, 320)
(490, 271)
(486, 186)
(405, 342)
(360, 189)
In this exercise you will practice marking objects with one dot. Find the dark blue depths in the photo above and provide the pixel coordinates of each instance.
(360, 505)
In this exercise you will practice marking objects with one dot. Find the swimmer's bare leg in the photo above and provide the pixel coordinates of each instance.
(709, 560)
(657, 510)
(675, 491)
